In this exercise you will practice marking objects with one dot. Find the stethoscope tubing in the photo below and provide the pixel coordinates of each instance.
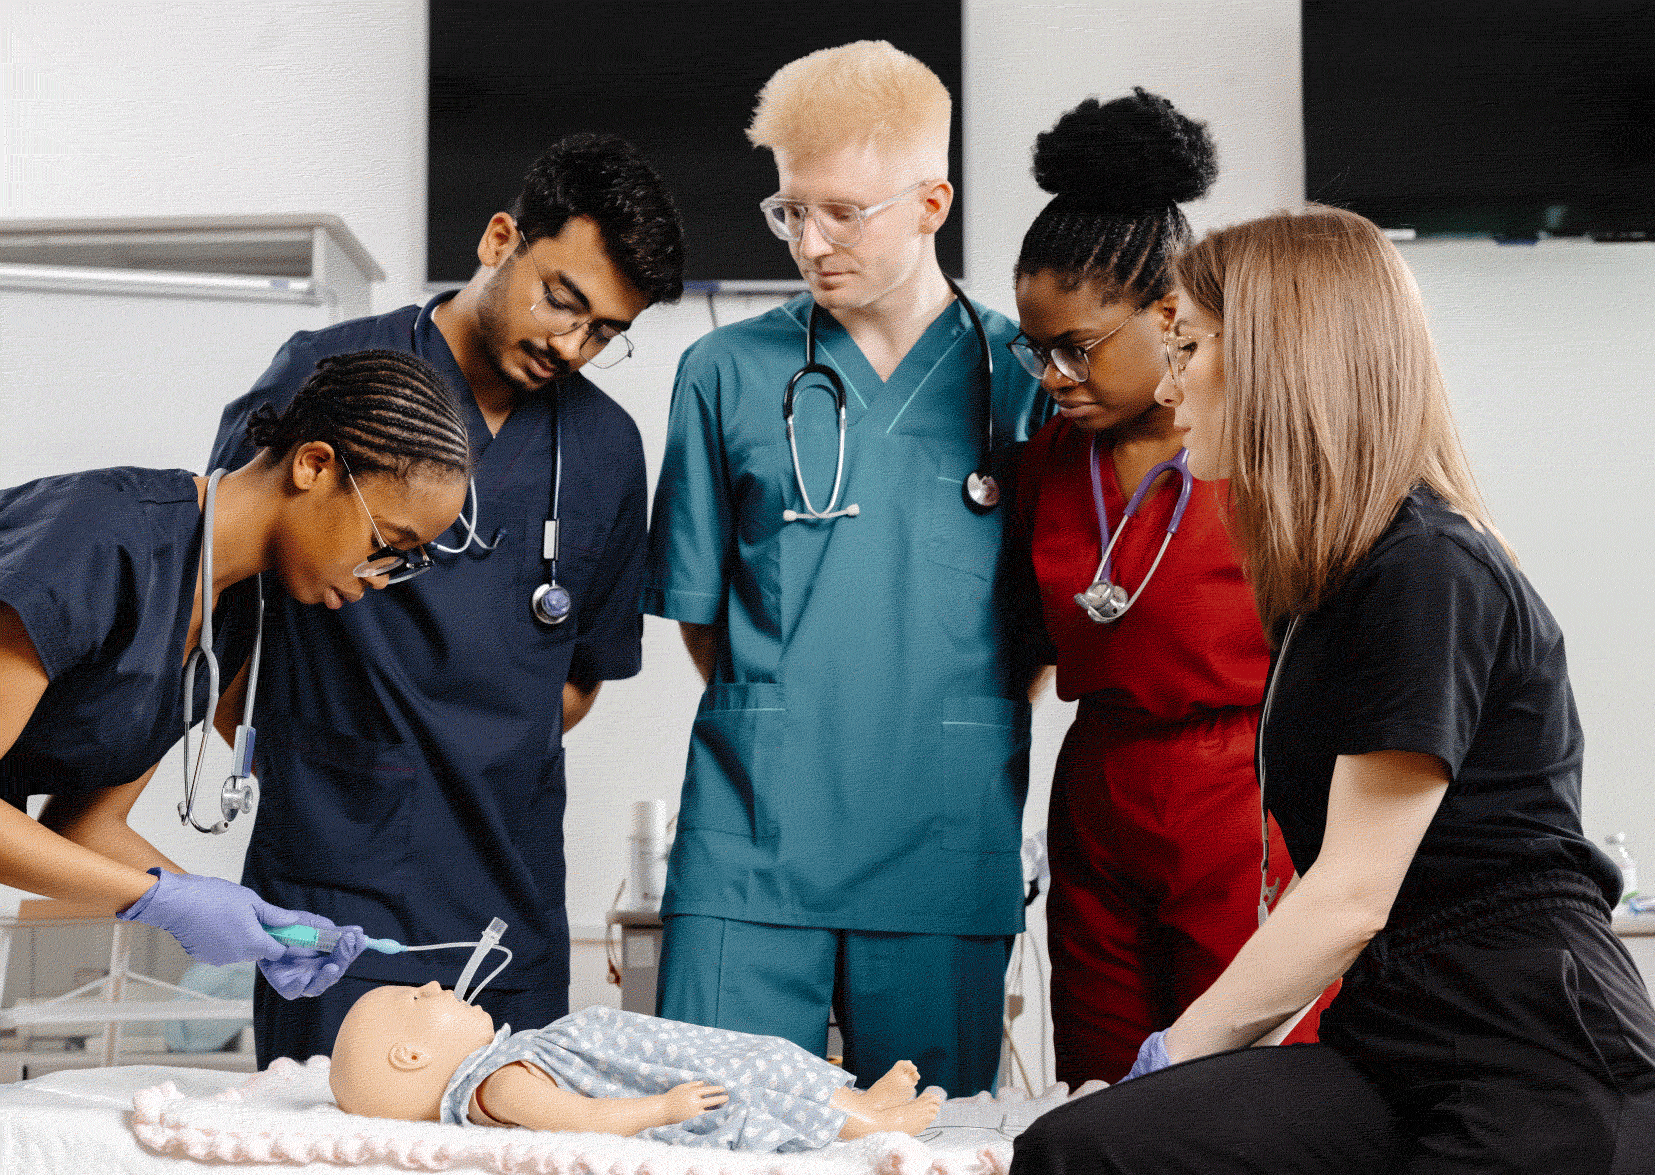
(237, 794)
(980, 490)
(1179, 464)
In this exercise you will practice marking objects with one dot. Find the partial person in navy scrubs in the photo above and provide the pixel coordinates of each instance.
(103, 575)
(411, 750)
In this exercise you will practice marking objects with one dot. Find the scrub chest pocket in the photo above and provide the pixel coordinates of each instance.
(362, 794)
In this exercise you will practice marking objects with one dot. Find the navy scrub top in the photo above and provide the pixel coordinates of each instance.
(102, 568)
(410, 745)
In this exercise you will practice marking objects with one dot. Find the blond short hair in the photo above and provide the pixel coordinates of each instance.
(866, 92)
(1334, 405)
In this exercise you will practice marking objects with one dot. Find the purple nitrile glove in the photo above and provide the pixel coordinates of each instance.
(306, 973)
(1152, 1055)
(214, 920)
(219, 922)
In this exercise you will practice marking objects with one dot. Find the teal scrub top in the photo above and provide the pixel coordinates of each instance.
(860, 757)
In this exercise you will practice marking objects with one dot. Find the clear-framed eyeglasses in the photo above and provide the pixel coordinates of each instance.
(603, 346)
(1072, 360)
(388, 561)
(1179, 348)
(841, 223)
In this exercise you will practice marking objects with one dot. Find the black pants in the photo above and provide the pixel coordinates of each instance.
(1510, 1033)
(304, 1028)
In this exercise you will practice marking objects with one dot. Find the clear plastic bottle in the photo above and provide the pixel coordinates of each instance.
(1616, 842)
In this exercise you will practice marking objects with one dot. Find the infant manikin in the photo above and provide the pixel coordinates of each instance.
(420, 1054)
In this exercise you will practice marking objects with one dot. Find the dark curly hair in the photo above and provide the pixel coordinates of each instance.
(382, 411)
(1118, 171)
(604, 177)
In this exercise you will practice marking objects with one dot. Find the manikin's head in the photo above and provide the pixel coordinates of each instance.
(859, 124)
(398, 1047)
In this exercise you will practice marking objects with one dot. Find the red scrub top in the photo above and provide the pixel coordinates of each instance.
(1192, 642)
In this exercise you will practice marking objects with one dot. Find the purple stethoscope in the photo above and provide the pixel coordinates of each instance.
(1105, 601)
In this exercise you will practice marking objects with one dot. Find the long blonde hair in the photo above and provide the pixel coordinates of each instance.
(1334, 405)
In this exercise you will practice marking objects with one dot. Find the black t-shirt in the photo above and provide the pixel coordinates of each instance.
(1437, 643)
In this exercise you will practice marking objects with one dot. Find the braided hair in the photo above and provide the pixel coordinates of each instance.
(1118, 171)
(382, 411)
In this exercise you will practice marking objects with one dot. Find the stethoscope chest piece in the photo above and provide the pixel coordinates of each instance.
(239, 795)
(981, 492)
(1104, 602)
(551, 603)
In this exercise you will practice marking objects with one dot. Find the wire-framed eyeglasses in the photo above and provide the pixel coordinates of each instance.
(603, 346)
(1179, 348)
(1072, 360)
(397, 565)
(842, 223)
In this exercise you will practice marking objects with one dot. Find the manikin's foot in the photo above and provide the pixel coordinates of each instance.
(893, 1089)
(889, 1105)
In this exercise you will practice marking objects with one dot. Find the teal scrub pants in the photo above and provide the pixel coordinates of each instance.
(937, 1000)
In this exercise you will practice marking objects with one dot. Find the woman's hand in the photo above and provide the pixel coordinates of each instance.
(218, 922)
(683, 1102)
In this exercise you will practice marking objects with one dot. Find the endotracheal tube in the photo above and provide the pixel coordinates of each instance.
(324, 939)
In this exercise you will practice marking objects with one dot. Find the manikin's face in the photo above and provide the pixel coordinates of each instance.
(1123, 370)
(575, 270)
(397, 1048)
(1197, 394)
(892, 250)
(328, 531)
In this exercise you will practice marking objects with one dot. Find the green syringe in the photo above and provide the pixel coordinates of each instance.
(324, 939)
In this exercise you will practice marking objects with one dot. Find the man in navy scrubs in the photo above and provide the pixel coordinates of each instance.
(410, 748)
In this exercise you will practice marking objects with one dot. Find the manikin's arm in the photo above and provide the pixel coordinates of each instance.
(702, 642)
(523, 1095)
(1379, 807)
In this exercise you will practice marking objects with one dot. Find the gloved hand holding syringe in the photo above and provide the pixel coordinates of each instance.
(323, 939)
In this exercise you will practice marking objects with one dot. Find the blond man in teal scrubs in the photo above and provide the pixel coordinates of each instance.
(852, 806)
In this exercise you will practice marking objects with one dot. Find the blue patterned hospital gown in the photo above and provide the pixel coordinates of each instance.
(778, 1091)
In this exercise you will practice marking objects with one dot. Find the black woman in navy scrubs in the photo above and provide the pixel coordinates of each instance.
(101, 603)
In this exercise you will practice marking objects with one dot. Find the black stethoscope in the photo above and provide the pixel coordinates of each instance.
(1106, 601)
(980, 490)
(549, 603)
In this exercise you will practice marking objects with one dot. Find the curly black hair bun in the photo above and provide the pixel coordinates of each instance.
(1127, 156)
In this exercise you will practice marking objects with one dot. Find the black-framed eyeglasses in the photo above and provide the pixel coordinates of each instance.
(397, 565)
(842, 223)
(1179, 349)
(1072, 360)
(603, 345)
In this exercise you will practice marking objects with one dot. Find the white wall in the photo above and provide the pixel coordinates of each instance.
(197, 107)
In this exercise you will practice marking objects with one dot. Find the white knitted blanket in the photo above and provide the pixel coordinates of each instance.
(286, 1116)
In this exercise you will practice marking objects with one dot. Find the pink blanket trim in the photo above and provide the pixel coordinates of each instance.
(286, 1116)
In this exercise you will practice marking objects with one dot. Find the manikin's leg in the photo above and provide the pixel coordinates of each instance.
(889, 1105)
